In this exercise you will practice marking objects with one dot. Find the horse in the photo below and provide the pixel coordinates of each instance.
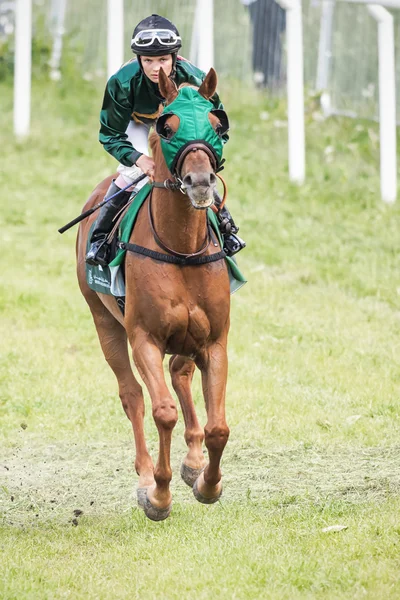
(174, 309)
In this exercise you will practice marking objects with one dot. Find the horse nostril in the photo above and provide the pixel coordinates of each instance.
(187, 181)
(194, 179)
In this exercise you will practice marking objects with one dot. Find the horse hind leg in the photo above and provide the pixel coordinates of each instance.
(113, 341)
(181, 370)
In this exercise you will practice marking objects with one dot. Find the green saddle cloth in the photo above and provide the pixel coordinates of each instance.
(108, 280)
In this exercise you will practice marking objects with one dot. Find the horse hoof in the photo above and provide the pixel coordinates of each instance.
(141, 494)
(203, 499)
(190, 475)
(154, 513)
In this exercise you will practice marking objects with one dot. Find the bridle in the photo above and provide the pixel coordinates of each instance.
(175, 150)
(176, 184)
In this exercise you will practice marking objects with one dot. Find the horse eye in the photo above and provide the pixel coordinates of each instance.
(219, 130)
(168, 132)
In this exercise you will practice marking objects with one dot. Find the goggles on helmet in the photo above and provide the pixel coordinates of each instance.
(146, 38)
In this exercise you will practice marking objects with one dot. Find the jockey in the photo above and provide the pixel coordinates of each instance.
(130, 107)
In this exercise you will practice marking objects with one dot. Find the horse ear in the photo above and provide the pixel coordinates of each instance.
(209, 85)
(168, 89)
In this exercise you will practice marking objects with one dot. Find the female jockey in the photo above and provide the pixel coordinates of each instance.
(130, 107)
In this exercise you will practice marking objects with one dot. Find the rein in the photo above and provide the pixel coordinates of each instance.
(167, 248)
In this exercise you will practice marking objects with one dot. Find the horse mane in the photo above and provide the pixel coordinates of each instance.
(155, 145)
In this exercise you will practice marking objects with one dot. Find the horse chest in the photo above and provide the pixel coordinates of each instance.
(184, 308)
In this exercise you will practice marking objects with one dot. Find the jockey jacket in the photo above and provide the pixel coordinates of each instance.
(130, 95)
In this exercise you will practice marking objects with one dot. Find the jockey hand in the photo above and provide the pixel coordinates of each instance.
(146, 164)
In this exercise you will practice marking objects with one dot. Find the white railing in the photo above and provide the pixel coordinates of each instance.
(22, 67)
(202, 53)
(387, 102)
(115, 35)
(295, 89)
(387, 83)
(202, 45)
(58, 8)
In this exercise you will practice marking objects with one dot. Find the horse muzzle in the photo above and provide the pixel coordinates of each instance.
(200, 188)
(201, 204)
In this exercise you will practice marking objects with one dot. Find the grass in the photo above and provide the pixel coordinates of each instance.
(272, 551)
(313, 393)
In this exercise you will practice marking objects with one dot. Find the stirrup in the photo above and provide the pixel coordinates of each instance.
(226, 224)
(233, 244)
(98, 253)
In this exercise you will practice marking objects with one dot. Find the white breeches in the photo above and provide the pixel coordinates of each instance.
(138, 135)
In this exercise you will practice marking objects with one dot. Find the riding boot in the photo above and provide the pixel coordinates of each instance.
(232, 242)
(99, 251)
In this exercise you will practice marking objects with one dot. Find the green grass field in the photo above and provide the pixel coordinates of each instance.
(313, 394)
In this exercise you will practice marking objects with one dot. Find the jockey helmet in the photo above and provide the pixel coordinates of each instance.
(155, 36)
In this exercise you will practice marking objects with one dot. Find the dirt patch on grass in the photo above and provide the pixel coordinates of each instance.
(314, 473)
(64, 481)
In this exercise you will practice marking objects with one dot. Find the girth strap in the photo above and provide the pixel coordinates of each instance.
(192, 261)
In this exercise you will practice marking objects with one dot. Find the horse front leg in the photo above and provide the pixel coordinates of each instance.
(214, 369)
(148, 359)
(114, 343)
(181, 370)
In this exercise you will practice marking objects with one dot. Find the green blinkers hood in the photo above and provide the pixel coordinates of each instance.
(194, 126)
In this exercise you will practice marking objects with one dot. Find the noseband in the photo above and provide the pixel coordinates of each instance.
(194, 147)
(177, 183)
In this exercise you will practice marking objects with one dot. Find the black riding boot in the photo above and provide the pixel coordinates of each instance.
(99, 251)
(232, 242)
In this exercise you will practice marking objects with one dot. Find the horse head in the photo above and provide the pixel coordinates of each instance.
(191, 130)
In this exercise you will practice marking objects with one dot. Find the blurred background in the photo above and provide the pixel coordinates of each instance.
(249, 40)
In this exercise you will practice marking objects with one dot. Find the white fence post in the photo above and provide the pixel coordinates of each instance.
(387, 102)
(295, 89)
(22, 67)
(115, 35)
(325, 44)
(194, 43)
(202, 47)
(58, 8)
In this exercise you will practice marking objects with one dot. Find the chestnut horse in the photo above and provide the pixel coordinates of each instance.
(170, 309)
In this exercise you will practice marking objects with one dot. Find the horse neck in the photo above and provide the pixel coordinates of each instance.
(179, 225)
